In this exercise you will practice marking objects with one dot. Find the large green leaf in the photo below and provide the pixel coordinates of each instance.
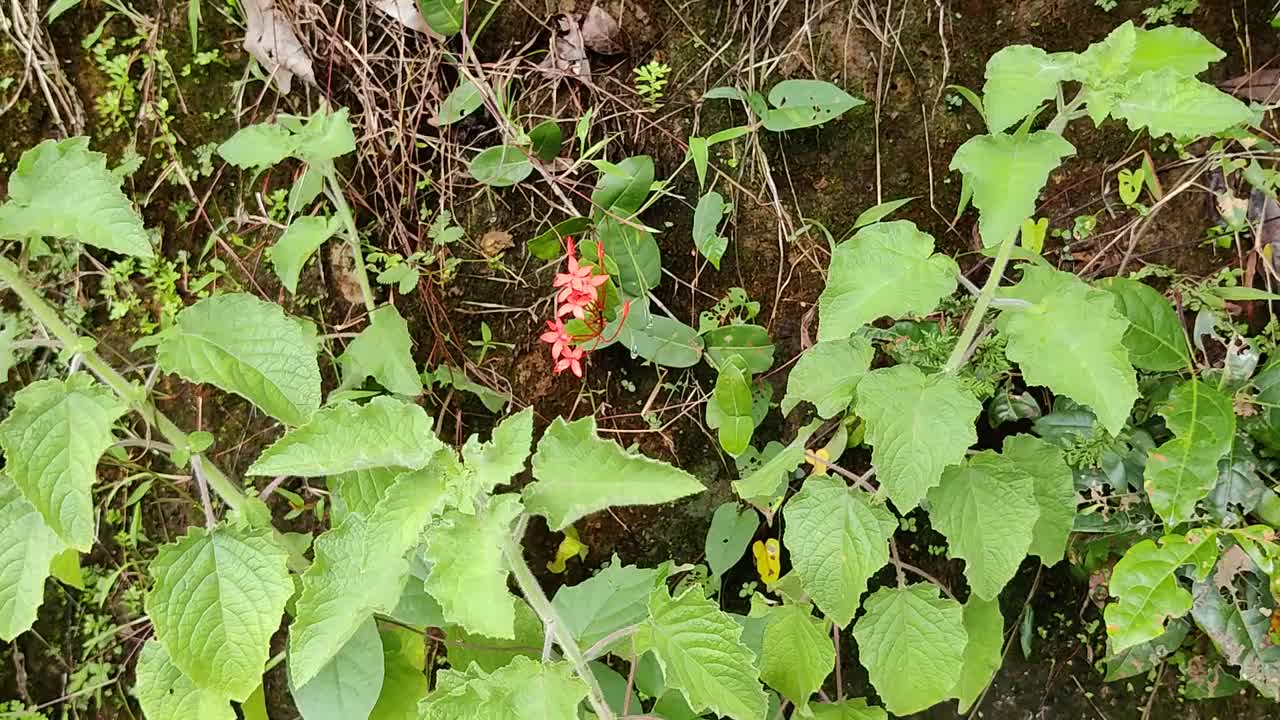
(1180, 49)
(1055, 493)
(216, 599)
(1155, 338)
(579, 473)
(404, 682)
(1147, 591)
(383, 351)
(258, 146)
(491, 653)
(912, 644)
(1181, 472)
(443, 16)
(917, 425)
(496, 462)
(622, 189)
(523, 690)
(27, 547)
(1006, 173)
(728, 536)
(52, 440)
(804, 103)
(341, 438)
(297, 244)
(984, 625)
(636, 254)
(62, 189)
(501, 166)
(1020, 78)
(1071, 339)
(1143, 657)
(702, 655)
(359, 490)
(660, 339)
(614, 598)
(1167, 103)
(468, 571)
(885, 269)
(848, 710)
(986, 508)
(732, 398)
(827, 374)
(166, 694)
(1242, 634)
(837, 539)
(798, 653)
(750, 342)
(249, 347)
(349, 684)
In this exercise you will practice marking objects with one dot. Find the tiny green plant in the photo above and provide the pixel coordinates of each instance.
(651, 81)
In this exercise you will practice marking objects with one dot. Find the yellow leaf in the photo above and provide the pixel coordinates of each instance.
(768, 555)
(569, 547)
(819, 468)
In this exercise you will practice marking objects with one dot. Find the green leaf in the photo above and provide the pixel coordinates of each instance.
(761, 485)
(578, 473)
(984, 626)
(546, 140)
(1147, 591)
(827, 374)
(298, 243)
(500, 166)
(216, 599)
(10, 327)
(660, 339)
(258, 146)
(1181, 472)
(359, 491)
(1238, 489)
(706, 226)
(52, 440)
(1167, 103)
(917, 425)
(798, 653)
(325, 136)
(702, 655)
(1020, 78)
(837, 539)
(612, 599)
(461, 102)
(1180, 49)
(805, 103)
(1072, 340)
(732, 398)
(443, 16)
(166, 694)
(636, 254)
(622, 189)
(728, 537)
(385, 432)
(383, 351)
(986, 508)
(549, 244)
(404, 682)
(491, 653)
(249, 347)
(912, 644)
(62, 189)
(1143, 657)
(1108, 59)
(1155, 338)
(1242, 635)
(749, 342)
(698, 147)
(885, 269)
(27, 548)
(848, 710)
(1007, 173)
(876, 213)
(468, 571)
(523, 690)
(1055, 493)
(496, 462)
(349, 684)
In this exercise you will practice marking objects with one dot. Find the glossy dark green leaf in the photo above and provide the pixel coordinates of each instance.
(622, 188)
(663, 341)
(1155, 338)
(546, 139)
(751, 342)
(549, 244)
(636, 254)
(732, 397)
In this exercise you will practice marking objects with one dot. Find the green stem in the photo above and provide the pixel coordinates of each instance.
(49, 317)
(988, 292)
(537, 599)
(353, 236)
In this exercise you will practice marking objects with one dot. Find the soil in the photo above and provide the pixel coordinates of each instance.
(820, 179)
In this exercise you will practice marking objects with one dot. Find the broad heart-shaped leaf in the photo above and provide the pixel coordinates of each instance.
(385, 432)
(728, 537)
(1180, 49)
(1055, 493)
(1020, 78)
(986, 508)
(798, 653)
(984, 625)
(579, 473)
(1242, 635)
(750, 342)
(827, 374)
(249, 347)
(885, 269)
(635, 252)
(404, 683)
(732, 398)
(1155, 338)
(917, 425)
(501, 166)
(349, 684)
(298, 243)
(496, 462)
(359, 569)
(52, 440)
(702, 655)
(805, 103)
(359, 490)
(27, 547)
(848, 710)
(1146, 589)
(912, 644)
(614, 598)
(383, 351)
(468, 571)
(1072, 340)
(524, 690)
(838, 539)
(1006, 173)
(706, 226)
(217, 598)
(1182, 471)
(622, 189)
(491, 653)
(62, 189)
(166, 694)
(1167, 103)
(258, 146)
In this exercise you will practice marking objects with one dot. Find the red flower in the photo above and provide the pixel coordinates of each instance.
(557, 337)
(575, 304)
(571, 360)
(579, 280)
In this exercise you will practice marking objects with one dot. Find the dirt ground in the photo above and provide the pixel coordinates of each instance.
(900, 56)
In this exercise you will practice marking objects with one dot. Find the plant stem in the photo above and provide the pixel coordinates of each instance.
(956, 361)
(537, 599)
(353, 236)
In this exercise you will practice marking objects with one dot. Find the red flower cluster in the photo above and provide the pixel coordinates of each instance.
(578, 296)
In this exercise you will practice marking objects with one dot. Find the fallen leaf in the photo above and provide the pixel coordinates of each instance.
(406, 13)
(568, 53)
(1232, 563)
(270, 38)
(344, 273)
(600, 32)
(1260, 85)
(494, 242)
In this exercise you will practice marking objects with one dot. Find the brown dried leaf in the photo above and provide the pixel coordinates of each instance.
(601, 33)
(270, 38)
(344, 273)
(494, 242)
(1230, 564)
(1260, 85)
(568, 54)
